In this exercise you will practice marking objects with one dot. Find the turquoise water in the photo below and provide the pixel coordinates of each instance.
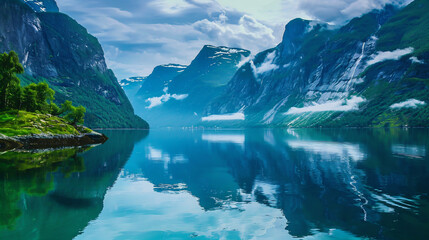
(223, 184)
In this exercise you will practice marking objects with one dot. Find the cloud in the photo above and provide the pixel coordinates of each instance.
(338, 11)
(239, 116)
(172, 6)
(335, 106)
(174, 31)
(157, 101)
(393, 55)
(410, 103)
(416, 60)
(248, 33)
(267, 66)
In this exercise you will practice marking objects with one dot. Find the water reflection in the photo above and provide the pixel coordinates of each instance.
(55, 194)
(234, 184)
(369, 183)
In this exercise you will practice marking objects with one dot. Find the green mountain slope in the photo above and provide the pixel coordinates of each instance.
(55, 48)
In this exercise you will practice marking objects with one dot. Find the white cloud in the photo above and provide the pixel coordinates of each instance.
(226, 117)
(416, 60)
(335, 106)
(410, 103)
(248, 33)
(394, 55)
(338, 11)
(268, 64)
(157, 101)
(171, 6)
(153, 32)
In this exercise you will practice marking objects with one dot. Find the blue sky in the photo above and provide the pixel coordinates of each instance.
(138, 35)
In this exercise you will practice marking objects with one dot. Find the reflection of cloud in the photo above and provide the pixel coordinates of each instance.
(343, 150)
(413, 151)
(224, 138)
(158, 155)
(179, 215)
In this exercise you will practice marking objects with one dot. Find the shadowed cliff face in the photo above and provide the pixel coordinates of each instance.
(55, 48)
(320, 76)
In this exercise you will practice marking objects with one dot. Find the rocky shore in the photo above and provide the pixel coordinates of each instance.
(41, 141)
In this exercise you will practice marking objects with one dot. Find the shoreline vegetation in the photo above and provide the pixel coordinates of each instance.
(29, 118)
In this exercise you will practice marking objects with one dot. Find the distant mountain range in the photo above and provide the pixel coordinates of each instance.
(373, 71)
(175, 95)
(54, 48)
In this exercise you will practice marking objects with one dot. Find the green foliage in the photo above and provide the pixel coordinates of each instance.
(72, 114)
(397, 33)
(36, 98)
(15, 123)
(9, 82)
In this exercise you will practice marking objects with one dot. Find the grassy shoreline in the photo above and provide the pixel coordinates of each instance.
(20, 123)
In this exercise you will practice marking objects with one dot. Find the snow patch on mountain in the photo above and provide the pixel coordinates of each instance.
(389, 55)
(330, 106)
(410, 103)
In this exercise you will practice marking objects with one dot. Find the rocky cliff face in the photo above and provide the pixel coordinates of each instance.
(319, 76)
(55, 48)
(42, 5)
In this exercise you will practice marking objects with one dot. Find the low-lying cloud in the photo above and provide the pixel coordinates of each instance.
(157, 101)
(330, 106)
(410, 103)
(239, 116)
(267, 66)
(389, 55)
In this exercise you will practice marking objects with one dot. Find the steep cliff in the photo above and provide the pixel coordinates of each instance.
(56, 49)
(370, 72)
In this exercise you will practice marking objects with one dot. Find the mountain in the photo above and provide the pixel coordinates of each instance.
(132, 85)
(370, 72)
(160, 77)
(54, 48)
(175, 95)
(43, 5)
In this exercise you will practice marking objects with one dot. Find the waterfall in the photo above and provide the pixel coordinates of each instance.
(358, 62)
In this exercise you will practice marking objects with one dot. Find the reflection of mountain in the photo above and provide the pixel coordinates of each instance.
(330, 179)
(69, 201)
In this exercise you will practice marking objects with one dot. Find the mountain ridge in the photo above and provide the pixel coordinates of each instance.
(55, 48)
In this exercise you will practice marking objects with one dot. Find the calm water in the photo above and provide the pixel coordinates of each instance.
(242, 184)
